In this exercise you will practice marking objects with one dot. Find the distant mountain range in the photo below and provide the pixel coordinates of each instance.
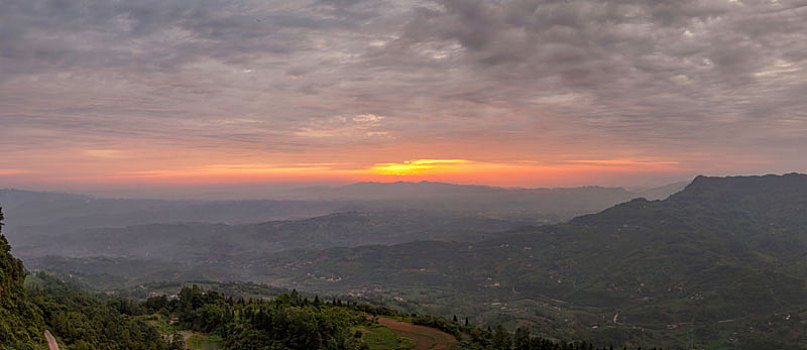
(721, 264)
(549, 205)
(194, 242)
(438, 190)
(33, 215)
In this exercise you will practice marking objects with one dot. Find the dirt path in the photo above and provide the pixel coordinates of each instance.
(427, 338)
(52, 344)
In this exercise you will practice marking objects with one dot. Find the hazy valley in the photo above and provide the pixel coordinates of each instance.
(722, 262)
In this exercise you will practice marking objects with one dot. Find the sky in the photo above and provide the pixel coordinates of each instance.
(161, 94)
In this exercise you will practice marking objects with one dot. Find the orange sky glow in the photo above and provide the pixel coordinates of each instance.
(574, 172)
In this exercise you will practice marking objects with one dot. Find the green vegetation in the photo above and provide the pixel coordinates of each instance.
(291, 321)
(79, 320)
(204, 342)
(83, 321)
(288, 321)
(21, 323)
(379, 338)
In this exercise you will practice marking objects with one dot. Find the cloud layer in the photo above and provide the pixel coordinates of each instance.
(101, 87)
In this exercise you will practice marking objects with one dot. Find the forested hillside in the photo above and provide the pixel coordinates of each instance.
(720, 264)
(81, 321)
(292, 321)
(287, 321)
(21, 324)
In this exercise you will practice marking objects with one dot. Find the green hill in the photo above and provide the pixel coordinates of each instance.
(189, 242)
(21, 324)
(718, 264)
(211, 319)
(80, 320)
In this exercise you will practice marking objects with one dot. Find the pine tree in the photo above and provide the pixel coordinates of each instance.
(522, 339)
(501, 338)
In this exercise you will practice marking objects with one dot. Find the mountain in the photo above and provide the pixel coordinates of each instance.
(718, 264)
(44, 309)
(541, 204)
(44, 209)
(719, 257)
(35, 217)
(721, 264)
(28, 209)
(432, 190)
(661, 192)
(194, 242)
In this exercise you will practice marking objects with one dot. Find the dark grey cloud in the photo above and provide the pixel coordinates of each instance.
(148, 35)
(670, 66)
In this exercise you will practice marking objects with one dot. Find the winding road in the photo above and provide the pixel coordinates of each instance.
(52, 344)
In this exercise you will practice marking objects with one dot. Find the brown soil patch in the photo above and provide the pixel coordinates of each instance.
(427, 338)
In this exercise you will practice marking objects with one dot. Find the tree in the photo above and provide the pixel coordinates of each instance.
(177, 341)
(501, 338)
(521, 340)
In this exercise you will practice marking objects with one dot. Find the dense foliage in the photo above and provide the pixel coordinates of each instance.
(291, 321)
(84, 321)
(81, 321)
(286, 322)
(21, 324)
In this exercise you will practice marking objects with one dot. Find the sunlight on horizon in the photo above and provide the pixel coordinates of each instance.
(563, 173)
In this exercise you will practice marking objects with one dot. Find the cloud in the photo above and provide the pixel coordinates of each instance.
(13, 172)
(711, 84)
(627, 55)
(104, 153)
(358, 126)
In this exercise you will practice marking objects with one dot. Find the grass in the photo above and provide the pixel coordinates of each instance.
(162, 323)
(424, 337)
(199, 341)
(379, 338)
(196, 340)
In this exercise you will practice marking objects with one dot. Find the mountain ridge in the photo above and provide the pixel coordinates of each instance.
(38, 215)
(726, 258)
(722, 249)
